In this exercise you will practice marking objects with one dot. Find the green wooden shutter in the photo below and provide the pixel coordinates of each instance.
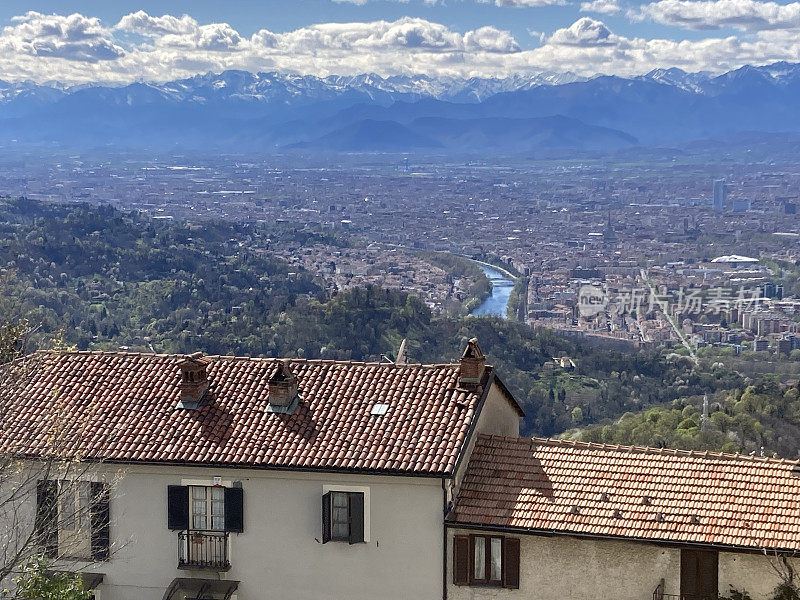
(356, 503)
(178, 507)
(234, 509)
(326, 518)
(47, 517)
(100, 520)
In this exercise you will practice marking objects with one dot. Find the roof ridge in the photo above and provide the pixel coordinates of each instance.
(231, 357)
(620, 448)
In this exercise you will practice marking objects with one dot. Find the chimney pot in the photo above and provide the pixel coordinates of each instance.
(473, 365)
(194, 380)
(283, 386)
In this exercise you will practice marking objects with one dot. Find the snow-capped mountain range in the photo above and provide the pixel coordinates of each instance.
(278, 110)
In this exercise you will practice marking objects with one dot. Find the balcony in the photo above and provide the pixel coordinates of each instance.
(206, 550)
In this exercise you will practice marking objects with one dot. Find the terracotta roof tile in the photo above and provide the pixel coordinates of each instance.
(122, 406)
(693, 497)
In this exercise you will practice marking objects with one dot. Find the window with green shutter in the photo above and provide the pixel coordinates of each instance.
(343, 517)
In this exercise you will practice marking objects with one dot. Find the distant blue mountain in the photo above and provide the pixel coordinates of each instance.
(271, 111)
(499, 135)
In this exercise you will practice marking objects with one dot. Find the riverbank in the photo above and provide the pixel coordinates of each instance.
(462, 268)
(508, 274)
(496, 305)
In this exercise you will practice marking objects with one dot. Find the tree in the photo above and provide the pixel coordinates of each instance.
(781, 564)
(37, 582)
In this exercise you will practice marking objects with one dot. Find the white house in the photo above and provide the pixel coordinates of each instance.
(221, 477)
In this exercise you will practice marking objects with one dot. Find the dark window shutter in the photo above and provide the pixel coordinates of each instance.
(461, 560)
(356, 502)
(709, 573)
(511, 563)
(234, 509)
(326, 518)
(177, 507)
(689, 573)
(100, 520)
(47, 517)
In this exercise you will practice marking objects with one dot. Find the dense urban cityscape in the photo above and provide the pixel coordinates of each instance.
(683, 253)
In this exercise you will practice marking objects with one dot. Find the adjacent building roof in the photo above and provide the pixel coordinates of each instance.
(125, 407)
(651, 494)
(734, 258)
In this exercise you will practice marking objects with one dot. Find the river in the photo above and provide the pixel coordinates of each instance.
(497, 303)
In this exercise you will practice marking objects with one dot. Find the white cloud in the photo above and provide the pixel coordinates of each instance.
(747, 15)
(182, 32)
(584, 32)
(73, 37)
(606, 7)
(524, 3)
(597, 50)
(141, 22)
(79, 48)
(409, 34)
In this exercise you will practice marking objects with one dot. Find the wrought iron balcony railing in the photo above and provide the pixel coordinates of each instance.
(203, 550)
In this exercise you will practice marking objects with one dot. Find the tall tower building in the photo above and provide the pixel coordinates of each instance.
(609, 234)
(719, 195)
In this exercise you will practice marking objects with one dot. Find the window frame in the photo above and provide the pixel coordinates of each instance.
(210, 503)
(333, 536)
(179, 506)
(364, 490)
(72, 519)
(486, 580)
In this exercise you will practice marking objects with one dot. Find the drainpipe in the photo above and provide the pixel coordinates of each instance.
(444, 539)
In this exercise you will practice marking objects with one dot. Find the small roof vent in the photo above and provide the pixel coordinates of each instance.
(194, 381)
(379, 409)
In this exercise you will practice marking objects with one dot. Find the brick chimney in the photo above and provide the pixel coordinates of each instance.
(194, 380)
(282, 388)
(473, 364)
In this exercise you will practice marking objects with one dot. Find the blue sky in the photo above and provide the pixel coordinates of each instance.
(125, 40)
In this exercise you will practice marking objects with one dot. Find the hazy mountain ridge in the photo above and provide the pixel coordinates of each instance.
(499, 135)
(269, 111)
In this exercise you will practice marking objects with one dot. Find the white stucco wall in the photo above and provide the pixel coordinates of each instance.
(568, 568)
(278, 555)
(753, 573)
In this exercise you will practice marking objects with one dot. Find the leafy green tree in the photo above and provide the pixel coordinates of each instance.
(38, 582)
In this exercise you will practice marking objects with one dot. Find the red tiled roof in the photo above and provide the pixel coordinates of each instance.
(122, 407)
(629, 492)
